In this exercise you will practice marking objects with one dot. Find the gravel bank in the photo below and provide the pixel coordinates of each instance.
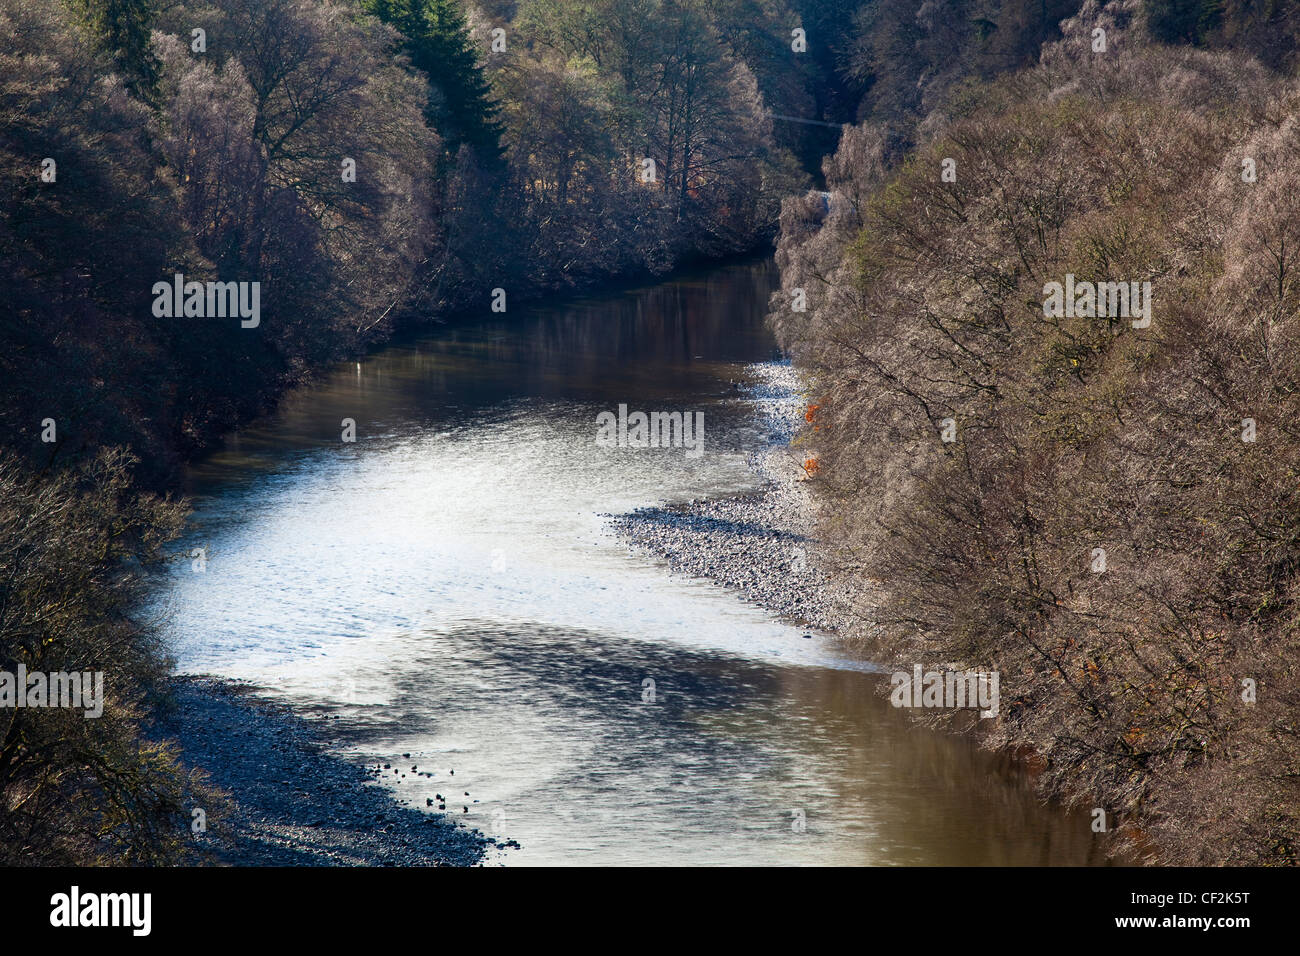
(759, 544)
(291, 802)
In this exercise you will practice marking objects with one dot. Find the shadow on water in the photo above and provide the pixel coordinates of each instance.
(447, 587)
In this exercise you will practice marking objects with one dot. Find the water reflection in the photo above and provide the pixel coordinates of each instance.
(447, 588)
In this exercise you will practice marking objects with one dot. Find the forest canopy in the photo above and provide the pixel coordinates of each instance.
(1100, 507)
(374, 164)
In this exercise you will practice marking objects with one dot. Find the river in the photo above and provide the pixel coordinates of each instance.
(445, 586)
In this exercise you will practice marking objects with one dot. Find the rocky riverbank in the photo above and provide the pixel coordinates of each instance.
(760, 544)
(293, 803)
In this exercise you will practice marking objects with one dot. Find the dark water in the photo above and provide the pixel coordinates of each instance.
(447, 587)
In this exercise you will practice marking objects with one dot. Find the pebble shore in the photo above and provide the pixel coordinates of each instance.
(760, 545)
(292, 802)
(296, 804)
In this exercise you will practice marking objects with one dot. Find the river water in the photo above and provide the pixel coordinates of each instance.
(445, 587)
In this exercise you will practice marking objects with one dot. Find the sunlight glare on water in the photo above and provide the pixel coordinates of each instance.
(447, 587)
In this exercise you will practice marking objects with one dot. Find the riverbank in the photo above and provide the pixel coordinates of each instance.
(289, 801)
(762, 544)
(401, 587)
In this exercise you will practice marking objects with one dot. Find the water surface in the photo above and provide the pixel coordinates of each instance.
(446, 587)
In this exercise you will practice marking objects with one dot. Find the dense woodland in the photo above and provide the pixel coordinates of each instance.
(503, 145)
(1114, 525)
(370, 164)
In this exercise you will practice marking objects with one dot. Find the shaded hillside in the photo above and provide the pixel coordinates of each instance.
(1114, 525)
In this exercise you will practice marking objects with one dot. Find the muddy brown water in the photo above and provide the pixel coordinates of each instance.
(446, 586)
